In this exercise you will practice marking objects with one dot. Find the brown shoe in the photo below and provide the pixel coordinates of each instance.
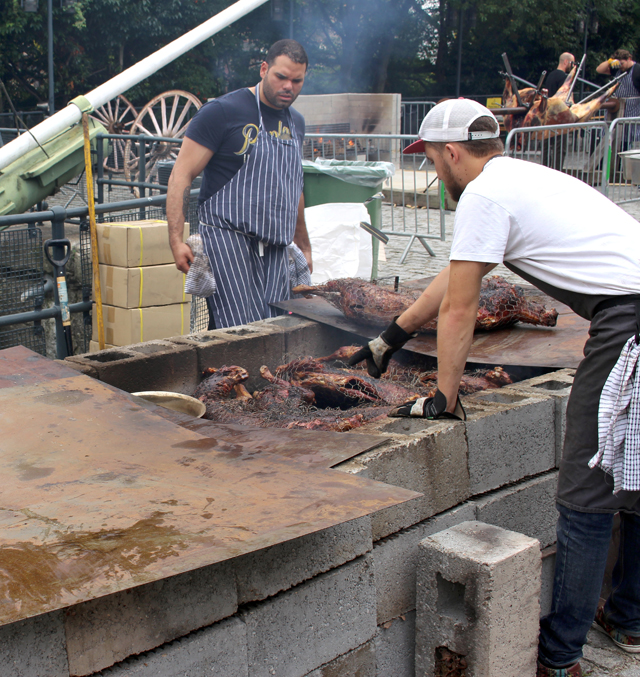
(572, 671)
(625, 642)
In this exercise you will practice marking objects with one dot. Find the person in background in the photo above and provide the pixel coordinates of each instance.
(556, 78)
(559, 245)
(621, 61)
(248, 143)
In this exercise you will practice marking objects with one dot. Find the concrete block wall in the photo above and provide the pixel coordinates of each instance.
(498, 467)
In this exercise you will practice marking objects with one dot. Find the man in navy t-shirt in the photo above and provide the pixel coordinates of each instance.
(251, 203)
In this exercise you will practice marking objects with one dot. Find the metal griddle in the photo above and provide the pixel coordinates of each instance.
(100, 495)
(527, 345)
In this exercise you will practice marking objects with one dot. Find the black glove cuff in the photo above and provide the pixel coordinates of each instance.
(395, 336)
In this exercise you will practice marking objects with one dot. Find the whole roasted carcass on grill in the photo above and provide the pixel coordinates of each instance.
(554, 110)
(501, 303)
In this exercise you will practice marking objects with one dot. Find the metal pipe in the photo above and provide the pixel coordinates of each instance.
(44, 314)
(573, 84)
(602, 89)
(123, 81)
(50, 55)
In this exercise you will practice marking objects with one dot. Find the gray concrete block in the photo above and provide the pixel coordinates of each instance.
(266, 572)
(396, 559)
(431, 458)
(153, 365)
(360, 662)
(219, 650)
(556, 385)
(395, 647)
(528, 507)
(106, 630)
(310, 625)
(34, 647)
(478, 595)
(86, 369)
(510, 436)
(546, 585)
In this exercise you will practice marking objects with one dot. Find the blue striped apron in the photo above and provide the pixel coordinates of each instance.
(246, 226)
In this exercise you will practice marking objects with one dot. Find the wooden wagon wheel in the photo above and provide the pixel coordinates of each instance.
(117, 115)
(167, 115)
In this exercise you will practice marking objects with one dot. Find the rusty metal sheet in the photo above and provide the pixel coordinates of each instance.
(321, 448)
(100, 495)
(522, 345)
(21, 366)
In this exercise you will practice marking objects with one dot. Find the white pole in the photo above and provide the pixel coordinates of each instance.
(125, 80)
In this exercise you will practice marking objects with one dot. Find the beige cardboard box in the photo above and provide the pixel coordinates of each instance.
(142, 286)
(135, 243)
(124, 326)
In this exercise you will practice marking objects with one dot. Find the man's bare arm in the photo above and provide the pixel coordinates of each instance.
(456, 322)
(301, 236)
(192, 159)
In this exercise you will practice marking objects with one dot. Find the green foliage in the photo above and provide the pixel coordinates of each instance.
(406, 46)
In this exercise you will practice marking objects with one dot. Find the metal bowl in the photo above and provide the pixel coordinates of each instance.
(176, 401)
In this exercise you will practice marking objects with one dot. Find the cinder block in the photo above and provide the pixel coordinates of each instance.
(431, 460)
(360, 662)
(264, 573)
(396, 560)
(219, 650)
(478, 595)
(556, 385)
(510, 435)
(34, 647)
(548, 572)
(395, 647)
(106, 630)
(85, 369)
(153, 365)
(528, 507)
(310, 625)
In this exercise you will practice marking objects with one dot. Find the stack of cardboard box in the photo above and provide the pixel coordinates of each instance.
(142, 290)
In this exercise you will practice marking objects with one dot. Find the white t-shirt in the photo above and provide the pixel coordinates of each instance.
(550, 225)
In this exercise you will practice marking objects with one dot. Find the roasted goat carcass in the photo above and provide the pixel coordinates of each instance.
(501, 303)
(472, 381)
(555, 110)
(334, 387)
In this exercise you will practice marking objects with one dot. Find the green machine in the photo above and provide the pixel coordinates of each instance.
(38, 174)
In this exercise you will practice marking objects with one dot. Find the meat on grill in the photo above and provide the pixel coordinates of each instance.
(334, 387)
(501, 303)
(220, 383)
(279, 391)
(472, 381)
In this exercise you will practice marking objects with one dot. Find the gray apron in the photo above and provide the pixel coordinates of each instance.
(246, 226)
(580, 487)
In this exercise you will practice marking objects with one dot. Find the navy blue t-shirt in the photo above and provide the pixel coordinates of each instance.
(228, 126)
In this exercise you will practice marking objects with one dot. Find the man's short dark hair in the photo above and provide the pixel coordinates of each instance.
(289, 48)
(481, 147)
(621, 54)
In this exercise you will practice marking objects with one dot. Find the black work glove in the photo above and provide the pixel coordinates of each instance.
(378, 352)
(430, 408)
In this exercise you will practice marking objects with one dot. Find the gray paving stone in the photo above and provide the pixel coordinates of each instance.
(360, 662)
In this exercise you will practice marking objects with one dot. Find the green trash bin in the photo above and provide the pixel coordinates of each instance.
(348, 181)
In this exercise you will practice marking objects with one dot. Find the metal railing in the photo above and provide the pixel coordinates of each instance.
(58, 217)
(581, 150)
(623, 170)
(414, 187)
(412, 114)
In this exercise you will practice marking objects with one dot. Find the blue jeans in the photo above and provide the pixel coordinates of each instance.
(582, 548)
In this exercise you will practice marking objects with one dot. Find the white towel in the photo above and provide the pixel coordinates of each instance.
(200, 281)
(619, 422)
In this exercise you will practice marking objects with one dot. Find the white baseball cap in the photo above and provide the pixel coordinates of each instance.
(450, 121)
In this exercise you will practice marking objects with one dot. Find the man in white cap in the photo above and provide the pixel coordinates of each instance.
(582, 250)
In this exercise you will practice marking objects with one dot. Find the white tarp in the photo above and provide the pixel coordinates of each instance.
(339, 246)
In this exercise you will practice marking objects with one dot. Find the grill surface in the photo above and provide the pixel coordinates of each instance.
(556, 347)
(100, 495)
